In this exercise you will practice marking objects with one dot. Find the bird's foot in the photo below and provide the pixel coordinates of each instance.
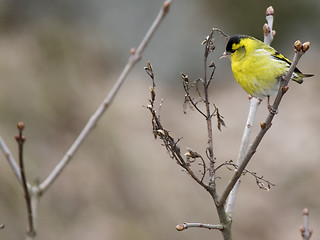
(272, 110)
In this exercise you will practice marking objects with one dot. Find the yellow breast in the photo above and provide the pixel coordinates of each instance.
(257, 71)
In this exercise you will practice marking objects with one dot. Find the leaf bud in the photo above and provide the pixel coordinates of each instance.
(305, 46)
(20, 126)
(270, 11)
(212, 65)
(153, 94)
(298, 45)
(132, 51)
(166, 6)
(180, 227)
(266, 29)
(285, 89)
(185, 77)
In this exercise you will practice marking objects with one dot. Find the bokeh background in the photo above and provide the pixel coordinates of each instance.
(59, 59)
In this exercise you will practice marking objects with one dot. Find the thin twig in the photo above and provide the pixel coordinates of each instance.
(133, 59)
(185, 226)
(12, 162)
(267, 28)
(267, 124)
(20, 140)
(261, 182)
(209, 47)
(306, 232)
(254, 105)
(188, 98)
(168, 141)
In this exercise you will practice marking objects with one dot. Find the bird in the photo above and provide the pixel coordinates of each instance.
(258, 67)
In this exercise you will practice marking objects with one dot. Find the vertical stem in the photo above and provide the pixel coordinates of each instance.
(223, 217)
(206, 83)
(210, 139)
(21, 139)
(254, 103)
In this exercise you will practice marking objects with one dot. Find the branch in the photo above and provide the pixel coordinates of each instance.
(267, 27)
(254, 104)
(300, 49)
(168, 141)
(306, 232)
(185, 226)
(10, 159)
(261, 182)
(209, 47)
(133, 59)
(171, 144)
(21, 139)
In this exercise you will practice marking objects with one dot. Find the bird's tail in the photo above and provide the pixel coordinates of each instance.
(298, 76)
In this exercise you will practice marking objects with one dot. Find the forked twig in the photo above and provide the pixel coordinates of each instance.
(262, 183)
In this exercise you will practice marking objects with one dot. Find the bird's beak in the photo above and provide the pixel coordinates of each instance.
(225, 54)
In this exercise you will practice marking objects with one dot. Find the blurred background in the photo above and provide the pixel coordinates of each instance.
(59, 59)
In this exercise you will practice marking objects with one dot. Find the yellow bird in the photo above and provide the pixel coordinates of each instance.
(257, 67)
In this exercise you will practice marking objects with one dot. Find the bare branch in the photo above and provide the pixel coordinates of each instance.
(262, 183)
(188, 98)
(306, 232)
(171, 145)
(169, 142)
(267, 28)
(10, 158)
(185, 226)
(20, 140)
(133, 59)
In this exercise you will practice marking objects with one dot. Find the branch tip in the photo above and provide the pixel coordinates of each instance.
(185, 77)
(270, 11)
(298, 45)
(180, 227)
(185, 225)
(212, 65)
(305, 46)
(20, 126)
(166, 6)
